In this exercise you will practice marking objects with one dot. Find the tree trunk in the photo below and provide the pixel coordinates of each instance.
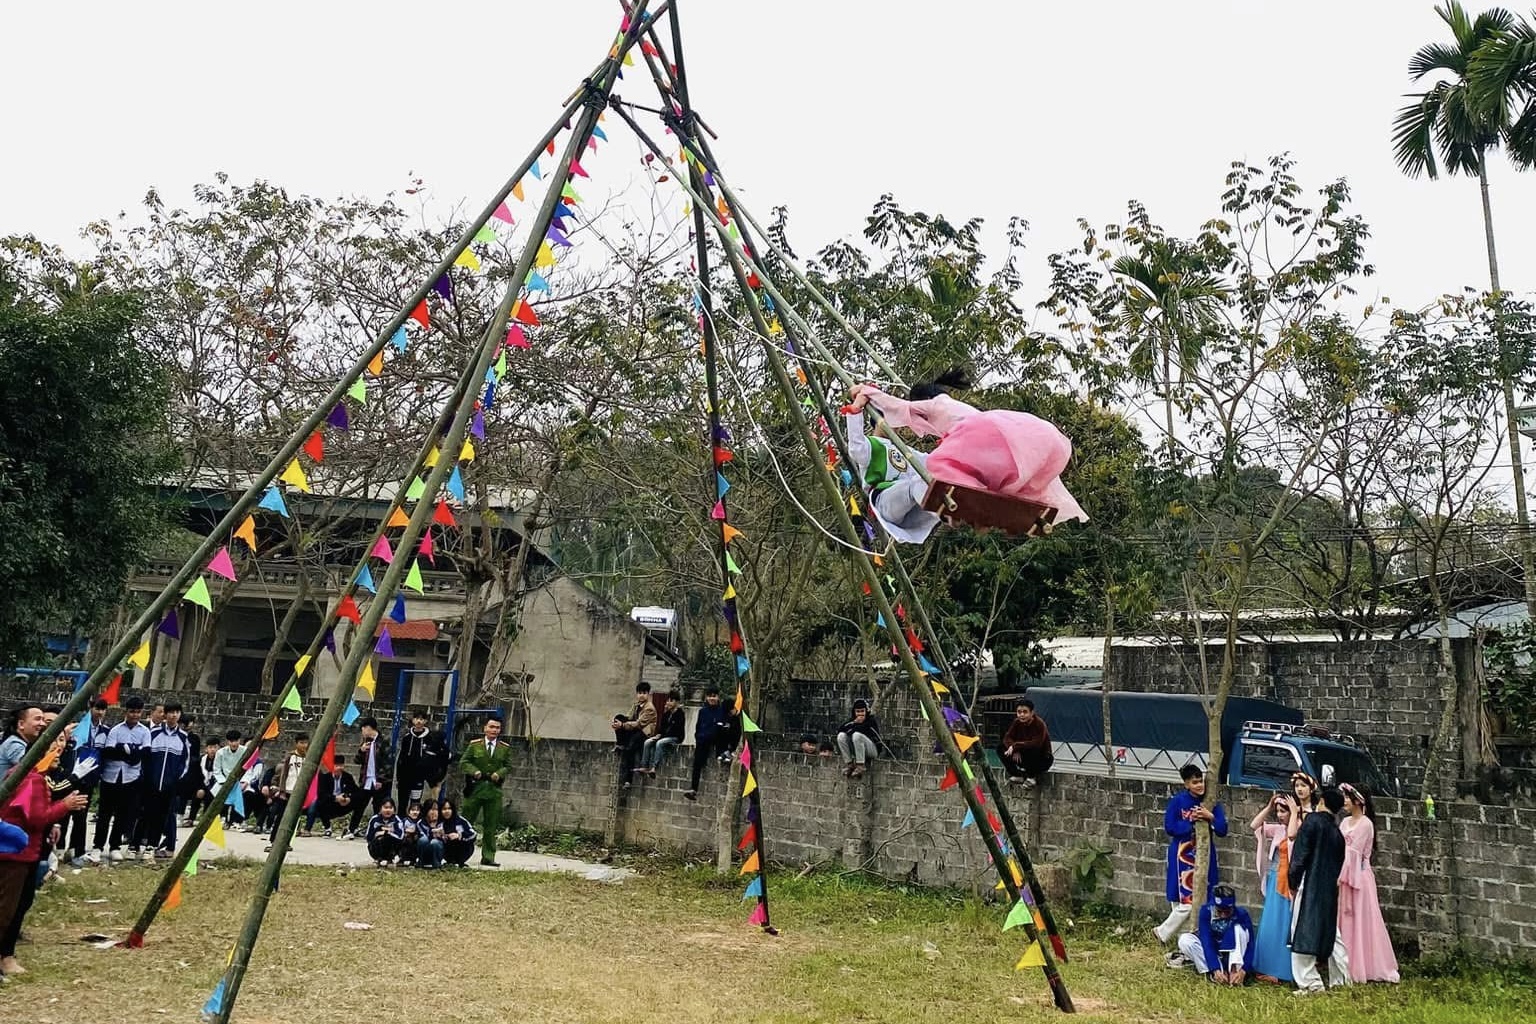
(1173, 448)
(1511, 420)
(1104, 680)
(284, 627)
(1446, 724)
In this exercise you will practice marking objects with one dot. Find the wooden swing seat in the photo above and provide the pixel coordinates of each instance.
(984, 510)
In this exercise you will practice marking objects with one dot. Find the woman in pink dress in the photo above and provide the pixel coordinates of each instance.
(1360, 925)
(997, 450)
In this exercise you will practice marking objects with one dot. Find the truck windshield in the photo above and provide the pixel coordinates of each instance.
(1349, 765)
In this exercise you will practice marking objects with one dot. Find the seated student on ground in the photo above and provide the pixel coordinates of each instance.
(385, 833)
(411, 832)
(858, 739)
(284, 780)
(1026, 745)
(201, 783)
(458, 835)
(335, 796)
(432, 839)
(253, 784)
(1222, 947)
(669, 733)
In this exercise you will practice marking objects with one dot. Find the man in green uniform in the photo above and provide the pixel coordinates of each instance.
(485, 763)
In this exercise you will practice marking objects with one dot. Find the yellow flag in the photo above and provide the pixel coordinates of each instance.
(365, 680)
(140, 657)
(467, 259)
(247, 532)
(965, 742)
(1032, 958)
(517, 190)
(751, 784)
(853, 506)
(215, 833)
(376, 364)
(294, 476)
(545, 257)
(730, 591)
(467, 453)
(938, 687)
(431, 461)
(754, 863)
(300, 665)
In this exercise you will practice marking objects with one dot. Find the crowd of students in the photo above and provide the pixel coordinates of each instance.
(1315, 847)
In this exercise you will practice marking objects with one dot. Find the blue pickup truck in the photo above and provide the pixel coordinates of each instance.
(1153, 735)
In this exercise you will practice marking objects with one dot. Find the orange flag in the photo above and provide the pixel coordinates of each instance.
(752, 864)
(965, 742)
(517, 190)
(398, 518)
(173, 900)
(246, 531)
(272, 730)
(730, 532)
(376, 364)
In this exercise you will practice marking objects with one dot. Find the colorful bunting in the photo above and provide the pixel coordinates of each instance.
(487, 233)
(347, 609)
(1033, 957)
(294, 476)
(421, 315)
(270, 733)
(426, 550)
(352, 714)
(1017, 916)
(358, 392)
(397, 613)
(742, 664)
(417, 488)
(747, 725)
(114, 691)
(413, 578)
(328, 755)
(376, 364)
(338, 417)
(467, 451)
(314, 447)
(365, 580)
(381, 549)
(198, 594)
(503, 214)
(444, 287)
(291, 700)
(365, 678)
(730, 533)
(169, 626)
(759, 915)
(443, 515)
(578, 171)
(215, 833)
(746, 790)
(191, 869)
(536, 282)
(300, 665)
(754, 890)
(477, 425)
(721, 485)
(398, 519)
(236, 799)
(313, 794)
(965, 742)
(525, 314)
(950, 780)
(272, 501)
(385, 648)
(246, 532)
(718, 512)
(517, 190)
(730, 564)
(215, 1004)
(398, 338)
(173, 899)
(455, 484)
(748, 838)
(468, 260)
(730, 594)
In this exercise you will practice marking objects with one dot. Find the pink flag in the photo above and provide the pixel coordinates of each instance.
(221, 565)
(502, 213)
(426, 549)
(314, 791)
(578, 170)
(746, 756)
(255, 756)
(718, 512)
(516, 338)
(759, 914)
(381, 549)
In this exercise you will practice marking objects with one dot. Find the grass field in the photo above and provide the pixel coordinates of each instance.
(673, 947)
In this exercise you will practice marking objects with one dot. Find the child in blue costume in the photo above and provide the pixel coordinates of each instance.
(1221, 948)
(1184, 810)
(1272, 952)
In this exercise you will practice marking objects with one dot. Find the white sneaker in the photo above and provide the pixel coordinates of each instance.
(148, 856)
(348, 835)
(94, 857)
(114, 855)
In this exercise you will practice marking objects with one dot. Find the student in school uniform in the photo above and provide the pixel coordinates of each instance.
(384, 835)
(458, 835)
(168, 758)
(117, 810)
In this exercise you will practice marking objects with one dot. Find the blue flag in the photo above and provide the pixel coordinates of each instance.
(215, 1004)
(398, 339)
(742, 664)
(456, 484)
(721, 485)
(272, 501)
(398, 611)
(365, 580)
(351, 714)
(755, 889)
(236, 799)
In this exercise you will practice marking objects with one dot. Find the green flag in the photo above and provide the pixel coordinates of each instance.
(197, 593)
(291, 700)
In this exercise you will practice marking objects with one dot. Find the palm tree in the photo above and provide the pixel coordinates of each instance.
(1454, 125)
(1170, 303)
(1503, 74)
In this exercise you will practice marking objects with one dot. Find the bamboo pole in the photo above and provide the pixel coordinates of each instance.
(171, 594)
(594, 93)
(925, 695)
(173, 870)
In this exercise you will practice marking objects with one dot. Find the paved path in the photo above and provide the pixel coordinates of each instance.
(317, 850)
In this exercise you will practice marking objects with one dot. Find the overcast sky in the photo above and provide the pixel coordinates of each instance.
(968, 107)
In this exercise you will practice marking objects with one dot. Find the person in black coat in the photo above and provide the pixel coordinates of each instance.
(714, 735)
(335, 795)
(1317, 858)
(421, 762)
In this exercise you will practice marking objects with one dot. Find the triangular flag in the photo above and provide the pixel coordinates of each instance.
(968, 820)
(536, 282)
(294, 476)
(246, 531)
(385, 648)
(759, 914)
(488, 233)
(314, 792)
(397, 613)
(502, 213)
(730, 533)
(718, 512)
(236, 799)
(398, 338)
(376, 364)
(742, 664)
(570, 193)
(417, 488)
(1017, 916)
(721, 485)
(358, 392)
(381, 549)
(191, 869)
(271, 732)
(578, 170)
(545, 256)
(455, 484)
(950, 780)
(272, 501)
(1033, 957)
(747, 725)
(730, 564)
(314, 447)
(365, 678)
(197, 593)
(467, 452)
(397, 519)
(468, 260)
(927, 666)
(300, 665)
(477, 425)
(517, 339)
(938, 688)
(753, 863)
(169, 626)
(347, 609)
(746, 755)
(114, 691)
(83, 732)
(328, 755)
(350, 715)
(730, 591)
(525, 314)
(215, 1004)
(748, 838)
(221, 565)
(751, 784)
(426, 550)
(173, 899)
(215, 833)
(442, 515)
(365, 580)
(741, 699)
(421, 315)
(755, 890)
(517, 190)
(338, 417)
(291, 701)
(965, 742)
(413, 578)
(500, 368)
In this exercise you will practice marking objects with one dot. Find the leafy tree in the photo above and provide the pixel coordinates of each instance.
(81, 428)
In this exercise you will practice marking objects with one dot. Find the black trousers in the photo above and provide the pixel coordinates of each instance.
(362, 803)
(75, 842)
(631, 742)
(118, 807)
(458, 851)
(385, 848)
(158, 807)
(716, 745)
(10, 931)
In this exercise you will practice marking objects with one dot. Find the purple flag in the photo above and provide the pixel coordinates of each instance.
(169, 626)
(558, 237)
(330, 640)
(385, 648)
(477, 425)
(338, 416)
(444, 287)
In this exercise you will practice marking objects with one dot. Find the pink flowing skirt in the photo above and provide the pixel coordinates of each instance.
(1010, 453)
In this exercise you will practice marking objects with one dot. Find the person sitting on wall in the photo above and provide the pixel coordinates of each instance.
(858, 739)
(669, 733)
(714, 735)
(631, 731)
(1026, 745)
(1222, 946)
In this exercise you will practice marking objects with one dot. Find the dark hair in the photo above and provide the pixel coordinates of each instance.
(642, 687)
(339, 760)
(418, 713)
(672, 695)
(100, 704)
(1333, 799)
(173, 706)
(713, 691)
(133, 704)
(808, 738)
(185, 718)
(16, 713)
(1024, 703)
(954, 378)
(861, 705)
(386, 802)
(302, 737)
(827, 747)
(368, 723)
(53, 709)
(1191, 771)
(232, 734)
(414, 803)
